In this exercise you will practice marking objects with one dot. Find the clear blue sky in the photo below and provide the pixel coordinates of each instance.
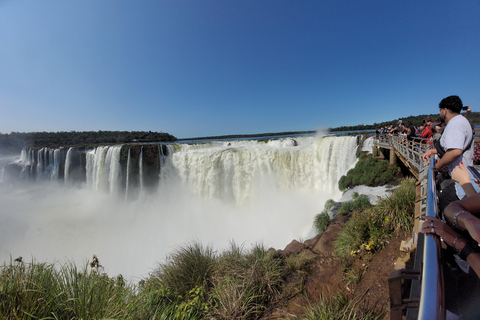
(201, 67)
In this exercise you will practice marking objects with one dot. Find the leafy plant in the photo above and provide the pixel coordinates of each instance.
(322, 221)
(368, 230)
(368, 171)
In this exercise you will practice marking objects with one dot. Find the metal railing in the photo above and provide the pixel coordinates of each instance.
(411, 149)
(432, 304)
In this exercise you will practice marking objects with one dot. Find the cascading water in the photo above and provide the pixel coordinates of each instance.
(140, 173)
(238, 170)
(103, 169)
(127, 175)
(217, 192)
(68, 162)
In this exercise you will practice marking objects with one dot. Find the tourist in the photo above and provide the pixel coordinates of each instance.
(427, 132)
(454, 146)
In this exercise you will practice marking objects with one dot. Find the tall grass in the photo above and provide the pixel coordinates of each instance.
(369, 229)
(339, 307)
(244, 283)
(42, 291)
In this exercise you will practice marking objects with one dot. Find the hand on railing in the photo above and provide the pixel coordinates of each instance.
(428, 154)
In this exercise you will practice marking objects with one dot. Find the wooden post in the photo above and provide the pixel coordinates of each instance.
(393, 157)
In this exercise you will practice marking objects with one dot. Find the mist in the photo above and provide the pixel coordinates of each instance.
(52, 223)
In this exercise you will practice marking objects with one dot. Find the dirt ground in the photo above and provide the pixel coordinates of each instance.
(326, 275)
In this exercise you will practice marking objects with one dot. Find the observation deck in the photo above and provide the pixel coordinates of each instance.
(428, 299)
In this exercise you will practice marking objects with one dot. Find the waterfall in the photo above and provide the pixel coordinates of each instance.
(232, 171)
(239, 170)
(140, 171)
(68, 162)
(127, 175)
(103, 168)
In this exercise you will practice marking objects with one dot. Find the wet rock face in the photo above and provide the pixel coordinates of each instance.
(139, 166)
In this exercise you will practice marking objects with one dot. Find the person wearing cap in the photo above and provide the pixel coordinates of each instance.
(455, 146)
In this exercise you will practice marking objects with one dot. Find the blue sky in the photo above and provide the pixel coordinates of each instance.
(205, 67)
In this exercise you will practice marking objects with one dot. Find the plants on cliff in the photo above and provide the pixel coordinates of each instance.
(360, 203)
(41, 291)
(243, 284)
(368, 171)
(368, 230)
(339, 307)
(322, 220)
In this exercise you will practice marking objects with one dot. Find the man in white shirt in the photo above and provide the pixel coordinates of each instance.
(455, 146)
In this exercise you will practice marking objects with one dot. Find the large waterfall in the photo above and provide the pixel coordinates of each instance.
(133, 204)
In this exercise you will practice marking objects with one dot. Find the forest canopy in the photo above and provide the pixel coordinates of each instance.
(16, 141)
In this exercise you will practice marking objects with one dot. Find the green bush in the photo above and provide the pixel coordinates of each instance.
(368, 230)
(321, 222)
(362, 202)
(368, 171)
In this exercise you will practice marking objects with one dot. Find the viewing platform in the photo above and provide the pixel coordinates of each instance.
(428, 299)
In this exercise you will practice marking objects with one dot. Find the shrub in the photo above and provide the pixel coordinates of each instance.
(244, 283)
(186, 268)
(368, 171)
(361, 203)
(322, 221)
(368, 230)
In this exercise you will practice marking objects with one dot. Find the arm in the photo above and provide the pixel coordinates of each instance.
(468, 209)
(450, 156)
(461, 175)
(469, 110)
(450, 237)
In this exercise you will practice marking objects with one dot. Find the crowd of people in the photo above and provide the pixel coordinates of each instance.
(429, 130)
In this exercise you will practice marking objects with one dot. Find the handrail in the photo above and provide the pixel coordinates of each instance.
(432, 304)
(411, 149)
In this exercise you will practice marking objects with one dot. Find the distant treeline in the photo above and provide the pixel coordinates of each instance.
(416, 121)
(16, 141)
(243, 136)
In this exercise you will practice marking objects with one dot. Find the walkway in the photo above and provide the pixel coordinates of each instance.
(426, 299)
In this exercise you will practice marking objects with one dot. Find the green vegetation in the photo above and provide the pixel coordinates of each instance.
(368, 171)
(322, 220)
(195, 283)
(360, 203)
(339, 307)
(16, 141)
(368, 230)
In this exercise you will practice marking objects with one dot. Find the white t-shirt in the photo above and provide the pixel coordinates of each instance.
(458, 135)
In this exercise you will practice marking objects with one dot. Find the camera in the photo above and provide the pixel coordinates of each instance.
(465, 108)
